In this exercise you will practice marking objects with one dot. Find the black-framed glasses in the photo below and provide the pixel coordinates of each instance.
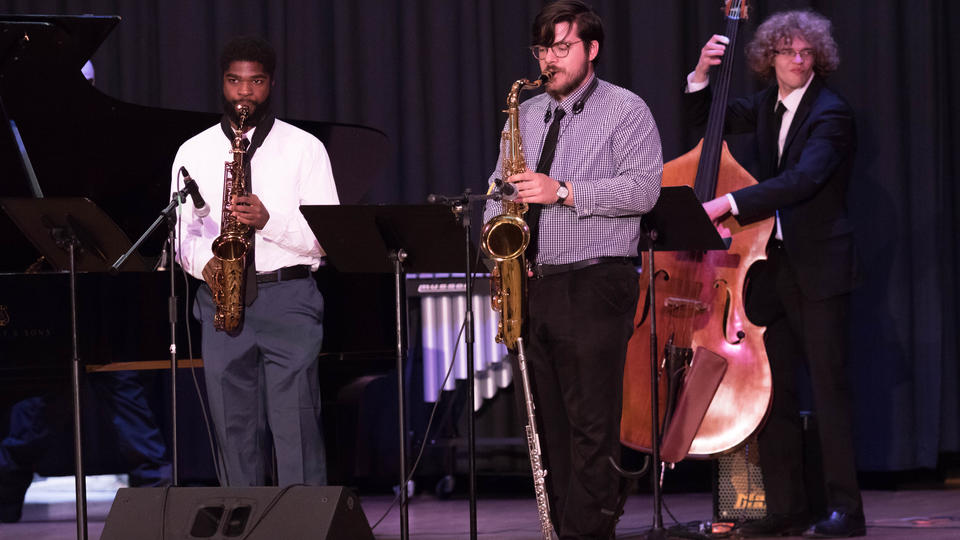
(806, 54)
(560, 49)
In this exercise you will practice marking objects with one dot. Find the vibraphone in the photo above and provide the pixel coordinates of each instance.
(443, 305)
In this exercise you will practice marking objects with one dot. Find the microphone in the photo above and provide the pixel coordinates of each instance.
(190, 186)
(508, 191)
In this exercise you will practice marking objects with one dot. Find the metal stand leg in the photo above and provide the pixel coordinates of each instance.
(656, 531)
(398, 257)
(81, 479)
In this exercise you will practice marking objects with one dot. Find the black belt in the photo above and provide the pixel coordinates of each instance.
(542, 270)
(284, 274)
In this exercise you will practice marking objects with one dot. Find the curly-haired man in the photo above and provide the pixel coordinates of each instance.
(805, 141)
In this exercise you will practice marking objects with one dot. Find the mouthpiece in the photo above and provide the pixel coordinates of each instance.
(545, 76)
(243, 112)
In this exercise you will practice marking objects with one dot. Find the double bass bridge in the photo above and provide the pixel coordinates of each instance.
(684, 306)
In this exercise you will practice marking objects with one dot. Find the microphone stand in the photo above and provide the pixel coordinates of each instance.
(169, 215)
(460, 206)
(68, 239)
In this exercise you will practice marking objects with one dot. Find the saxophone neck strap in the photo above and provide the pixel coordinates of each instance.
(259, 134)
(580, 103)
(578, 106)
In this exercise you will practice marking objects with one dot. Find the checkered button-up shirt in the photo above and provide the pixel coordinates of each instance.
(610, 155)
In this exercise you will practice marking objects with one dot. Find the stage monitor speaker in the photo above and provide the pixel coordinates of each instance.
(738, 489)
(738, 493)
(252, 513)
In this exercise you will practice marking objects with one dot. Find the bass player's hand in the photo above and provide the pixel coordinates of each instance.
(710, 56)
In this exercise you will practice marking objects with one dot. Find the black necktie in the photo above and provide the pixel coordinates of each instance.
(777, 122)
(250, 282)
(543, 166)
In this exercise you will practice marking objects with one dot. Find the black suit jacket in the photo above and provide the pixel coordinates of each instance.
(809, 188)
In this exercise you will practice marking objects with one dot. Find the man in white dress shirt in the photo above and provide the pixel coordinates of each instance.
(262, 378)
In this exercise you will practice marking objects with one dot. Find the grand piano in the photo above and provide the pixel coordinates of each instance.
(62, 137)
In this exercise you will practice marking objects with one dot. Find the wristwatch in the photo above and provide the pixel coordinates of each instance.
(562, 193)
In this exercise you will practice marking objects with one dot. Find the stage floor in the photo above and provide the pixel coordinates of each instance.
(921, 514)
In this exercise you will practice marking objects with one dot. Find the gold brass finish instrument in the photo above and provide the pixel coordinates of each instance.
(504, 239)
(232, 244)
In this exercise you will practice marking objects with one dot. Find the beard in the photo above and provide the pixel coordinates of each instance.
(257, 113)
(563, 83)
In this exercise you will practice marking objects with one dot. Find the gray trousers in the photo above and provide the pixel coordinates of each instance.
(264, 380)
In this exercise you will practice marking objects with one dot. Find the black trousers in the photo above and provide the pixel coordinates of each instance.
(813, 333)
(578, 329)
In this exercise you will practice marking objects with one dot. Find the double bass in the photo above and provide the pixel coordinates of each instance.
(700, 300)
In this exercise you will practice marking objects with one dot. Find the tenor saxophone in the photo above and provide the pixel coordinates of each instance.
(231, 247)
(504, 239)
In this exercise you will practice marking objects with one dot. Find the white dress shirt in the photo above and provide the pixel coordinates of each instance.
(290, 169)
(791, 102)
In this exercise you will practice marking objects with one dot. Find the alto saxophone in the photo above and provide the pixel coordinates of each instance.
(504, 239)
(230, 248)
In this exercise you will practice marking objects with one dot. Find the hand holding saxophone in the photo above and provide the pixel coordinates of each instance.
(533, 187)
(249, 210)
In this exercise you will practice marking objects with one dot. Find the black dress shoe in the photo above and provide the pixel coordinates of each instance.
(839, 525)
(775, 525)
(13, 486)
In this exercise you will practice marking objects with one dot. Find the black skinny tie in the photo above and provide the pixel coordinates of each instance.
(781, 108)
(250, 286)
(543, 167)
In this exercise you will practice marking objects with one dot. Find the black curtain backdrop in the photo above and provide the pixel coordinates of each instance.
(433, 76)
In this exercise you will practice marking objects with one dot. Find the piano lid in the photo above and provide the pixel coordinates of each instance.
(82, 142)
(75, 38)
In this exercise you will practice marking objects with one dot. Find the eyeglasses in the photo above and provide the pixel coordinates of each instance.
(806, 54)
(560, 50)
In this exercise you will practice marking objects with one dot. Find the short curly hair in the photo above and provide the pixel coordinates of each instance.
(783, 27)
(248, 49)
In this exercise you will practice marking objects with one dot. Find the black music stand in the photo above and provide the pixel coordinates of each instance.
(74, 234)
(676, 223)
(393, 239)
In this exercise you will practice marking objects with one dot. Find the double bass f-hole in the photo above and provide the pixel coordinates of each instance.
(646, 297)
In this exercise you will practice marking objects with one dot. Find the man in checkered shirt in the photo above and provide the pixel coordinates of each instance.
(583, 293)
